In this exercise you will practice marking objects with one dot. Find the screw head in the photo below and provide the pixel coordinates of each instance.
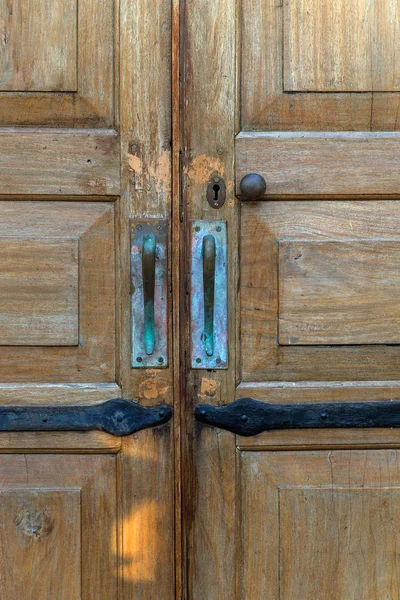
(218, 361)
(244, 418)
(45, 419)
(139, 359)
(161, 413)
(198, 360)
(324, 415)
(161, 360)
(197, 228)
(216, 179)
(133, 147)
(219, 228)
(159, 227)
(138, 227)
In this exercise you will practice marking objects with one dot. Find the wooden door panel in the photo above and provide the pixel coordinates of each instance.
(48, 507)
(312, 65)
(57, 63)
(39, 292)
(57, 298)
(40, 63)
(318, 289)
(337, 47)
(325, 524)
(322, 164)
(43, 162)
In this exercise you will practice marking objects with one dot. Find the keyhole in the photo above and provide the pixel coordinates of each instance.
(216, 189)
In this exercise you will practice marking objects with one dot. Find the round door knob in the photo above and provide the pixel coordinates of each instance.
(253, 186)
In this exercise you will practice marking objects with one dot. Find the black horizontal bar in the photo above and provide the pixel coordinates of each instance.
(118, 417)
(247, 416)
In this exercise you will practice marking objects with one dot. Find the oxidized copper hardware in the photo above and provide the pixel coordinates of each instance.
(249, 417)
(209, 254)
(149, 289)
(149, 280)
(216, 192)
(253, 186)
(209, 303)
(117, 417)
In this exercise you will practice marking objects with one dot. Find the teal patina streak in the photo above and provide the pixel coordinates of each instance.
(148, 273)
(209, 253)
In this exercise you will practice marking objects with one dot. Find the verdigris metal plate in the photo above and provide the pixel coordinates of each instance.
(199, 357)
(159, 357)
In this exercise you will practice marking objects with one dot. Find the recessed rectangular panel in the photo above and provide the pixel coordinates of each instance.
(58, 526)
(319, 289)
(40, 552)
(339, 293)
(38, 292)
(351, 532)
(319, 65)
(341, 46)
(319, 525)
(39, 45)
(43, 277)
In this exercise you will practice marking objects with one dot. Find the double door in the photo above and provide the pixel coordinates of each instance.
(199, 342)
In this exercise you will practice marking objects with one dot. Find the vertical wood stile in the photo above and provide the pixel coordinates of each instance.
(146, 461)
(208, 121)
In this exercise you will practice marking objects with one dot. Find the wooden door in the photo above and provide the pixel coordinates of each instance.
(85, 148)
(305, 94)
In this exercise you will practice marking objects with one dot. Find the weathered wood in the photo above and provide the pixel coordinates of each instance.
(49, 504)
(209, 125)
(40, 530)
(39, 292)
(91, 226)
(58, 63)
(146, 176)
(147, 522)
(338, 293)
(346, 498)
(146, 463)
(266, 67)
(272, 227)
(321, 164)
(39, 45)
(341, 47)
(65, 303)
(59, 162)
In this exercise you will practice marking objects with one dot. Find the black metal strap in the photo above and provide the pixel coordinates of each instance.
(249, 417)
(118, 417)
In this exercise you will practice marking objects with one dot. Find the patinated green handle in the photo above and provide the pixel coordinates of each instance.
(149, 281)
(209, 254)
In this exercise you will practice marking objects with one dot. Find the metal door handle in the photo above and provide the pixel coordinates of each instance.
(253, 186)
(209, 254)
(249, 417)
(209, 295)
(149, 282)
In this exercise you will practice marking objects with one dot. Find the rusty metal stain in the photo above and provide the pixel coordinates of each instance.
(199, 357)
(159, 357)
